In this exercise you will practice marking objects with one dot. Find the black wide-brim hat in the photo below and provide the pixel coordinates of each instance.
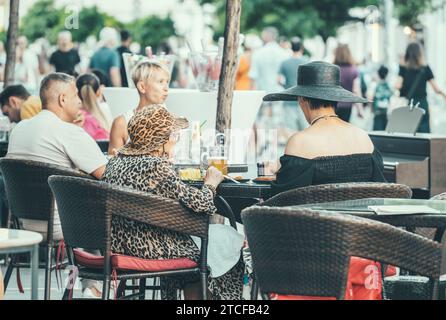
(317, 80)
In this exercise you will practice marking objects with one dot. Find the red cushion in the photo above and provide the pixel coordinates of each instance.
(122, 262)
(363, 283)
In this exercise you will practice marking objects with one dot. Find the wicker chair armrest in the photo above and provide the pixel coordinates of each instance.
(148, 208)
(160, 212)
(337, 192)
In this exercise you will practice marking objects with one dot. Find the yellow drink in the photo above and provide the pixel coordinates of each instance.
(220, 163)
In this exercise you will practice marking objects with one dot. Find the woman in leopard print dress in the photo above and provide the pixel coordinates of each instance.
(144, 164)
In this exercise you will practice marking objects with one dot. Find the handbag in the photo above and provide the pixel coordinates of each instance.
(397, 101)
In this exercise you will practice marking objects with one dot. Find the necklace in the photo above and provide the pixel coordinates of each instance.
(323, 117)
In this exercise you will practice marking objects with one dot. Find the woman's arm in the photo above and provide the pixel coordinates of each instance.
(118, 135)
(170, 185)
(399, 83)
(436, 88)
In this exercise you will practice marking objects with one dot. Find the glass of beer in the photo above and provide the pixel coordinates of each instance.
(218, 158)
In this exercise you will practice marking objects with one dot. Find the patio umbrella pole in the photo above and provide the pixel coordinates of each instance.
(11, 41)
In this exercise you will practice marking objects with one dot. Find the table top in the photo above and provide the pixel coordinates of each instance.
(362, 205)
(245, 190)
(10, 238)
(360, 208)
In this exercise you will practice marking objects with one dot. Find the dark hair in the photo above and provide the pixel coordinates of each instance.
(383, 71)
(165, 47)
(125, 35)
(319, 103)
(46, 83)
(18, 91)
(103, 79)
(296, 44)
(88, 79)
(414, 57)
(88, 85)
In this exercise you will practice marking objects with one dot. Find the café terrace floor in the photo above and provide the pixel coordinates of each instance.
(12, 293)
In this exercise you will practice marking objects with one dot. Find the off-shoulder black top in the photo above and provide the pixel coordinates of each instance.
(298, 172)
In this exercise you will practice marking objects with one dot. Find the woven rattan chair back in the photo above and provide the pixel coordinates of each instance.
(338, 192)
(433, 233)
(305, 252)
(86, 208)
(27, 189)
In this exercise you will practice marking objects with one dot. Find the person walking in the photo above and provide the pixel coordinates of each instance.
(414, 75)
(126, 41)
(295, 119)
(65, 58)
(381, 100)
(106, 58)
(349, 80)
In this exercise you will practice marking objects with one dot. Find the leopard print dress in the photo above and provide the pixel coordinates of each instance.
(157, 175)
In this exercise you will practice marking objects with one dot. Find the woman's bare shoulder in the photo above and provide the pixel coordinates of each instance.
(359, 140)
(297, 142)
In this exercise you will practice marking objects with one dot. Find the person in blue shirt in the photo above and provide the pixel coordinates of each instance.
(106, 58)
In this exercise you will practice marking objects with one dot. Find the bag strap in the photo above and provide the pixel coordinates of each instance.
(415, 84)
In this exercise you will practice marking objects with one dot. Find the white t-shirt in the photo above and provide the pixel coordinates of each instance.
(46, 138)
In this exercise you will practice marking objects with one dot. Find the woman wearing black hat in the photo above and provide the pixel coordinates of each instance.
(330, 150)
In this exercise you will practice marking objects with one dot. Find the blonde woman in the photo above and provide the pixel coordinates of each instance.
(97, 116)
(152, 82)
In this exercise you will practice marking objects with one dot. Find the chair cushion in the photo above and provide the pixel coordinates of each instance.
(364, 282)
(123, 262)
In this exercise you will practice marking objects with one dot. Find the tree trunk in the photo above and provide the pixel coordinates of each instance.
(229, 65)
(11, 41)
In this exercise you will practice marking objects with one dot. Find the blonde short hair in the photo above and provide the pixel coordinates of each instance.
(144, 70)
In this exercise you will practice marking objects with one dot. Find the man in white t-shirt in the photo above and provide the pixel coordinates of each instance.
(52, 136)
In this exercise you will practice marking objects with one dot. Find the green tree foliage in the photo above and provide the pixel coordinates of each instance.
(305, 18)
(42, 20)
(91, 21)
(152, 31)
(408, 11)
(45, 20)
(308, 18)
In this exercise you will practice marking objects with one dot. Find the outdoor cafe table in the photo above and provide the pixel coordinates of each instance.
(18, 241)
(410, 221)
(241, 195)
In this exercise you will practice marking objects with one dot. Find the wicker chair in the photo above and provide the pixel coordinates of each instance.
(86, 208)
(412, 287)
(30, 197)
(307, 253)
(338, 192)
(334, 192)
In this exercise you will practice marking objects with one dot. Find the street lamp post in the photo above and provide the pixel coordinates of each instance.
(388, 13)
